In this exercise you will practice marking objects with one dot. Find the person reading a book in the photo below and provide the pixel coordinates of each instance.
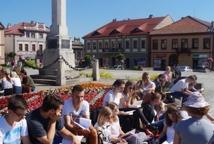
(75, 109)
(103, 128)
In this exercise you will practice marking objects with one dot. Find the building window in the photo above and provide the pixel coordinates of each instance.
(26, 47)
(127, 44)
(143, 44)
(195, 43)
(184, 43)
(20, 47)
(106, 44)
(174, 43)
(113, 44)
(94, 45)
(155, 44)
(41, 47)
(40, 35)
(33, 35)
(135, 44)
(28, 34)
(206, 43)
(33, 47)
(163, 44)
(100, 45)
(88, 45)
(119, 44)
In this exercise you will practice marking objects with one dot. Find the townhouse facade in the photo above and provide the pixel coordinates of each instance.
(127, 37)
(26, 39)
(2, 44)
(188, 41)
(78, 49)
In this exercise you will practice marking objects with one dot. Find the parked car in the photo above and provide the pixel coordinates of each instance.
(118, 67)
(184, 68)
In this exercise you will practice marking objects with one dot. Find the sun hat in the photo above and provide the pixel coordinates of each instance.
(196, 100)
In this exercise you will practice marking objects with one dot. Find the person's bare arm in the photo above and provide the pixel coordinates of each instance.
(67, 134)
(25, 140)
(48, 139)
(177, 139)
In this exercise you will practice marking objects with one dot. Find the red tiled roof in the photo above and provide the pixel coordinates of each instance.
(18, 29)
(1, 26)
(184, 25)
(126, 27)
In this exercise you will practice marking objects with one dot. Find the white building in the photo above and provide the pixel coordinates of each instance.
(25, 39)
(2, 44)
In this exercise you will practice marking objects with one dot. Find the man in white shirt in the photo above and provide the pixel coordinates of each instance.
(74, 108)
(181, 88)
(13, 125)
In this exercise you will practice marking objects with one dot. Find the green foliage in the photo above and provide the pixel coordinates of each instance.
(87, 59)
(136, 68)
(31, 63)
(11, 55)
(120, 57)
(153, 76)
(106, 75)
(86, 74)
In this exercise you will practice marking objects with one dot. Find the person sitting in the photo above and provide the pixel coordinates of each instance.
(196, 129)
(146, 114)
(16, 83)
(128, 95)
(115, 94)
(168, 74)
(103, 128)
(13, 125)
(27, 83)
(172, 117)
(181, 88)
(45, 121)
(146, 85)
(76, 107)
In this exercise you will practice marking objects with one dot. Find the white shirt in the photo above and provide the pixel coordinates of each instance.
(69, 109)
(115, 128)
(12, 134)
(179, 86)
(110, 97)
(16, 82)
(7, 84)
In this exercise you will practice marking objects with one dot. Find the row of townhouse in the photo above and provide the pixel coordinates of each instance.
(2, 44)
(152, 41)
(28, 40)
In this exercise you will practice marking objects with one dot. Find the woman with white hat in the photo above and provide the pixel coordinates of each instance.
(196, 129)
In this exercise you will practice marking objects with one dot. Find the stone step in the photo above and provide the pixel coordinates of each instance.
(51, 77)
(45, 81)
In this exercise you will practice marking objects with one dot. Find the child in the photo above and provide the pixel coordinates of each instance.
(104, 129)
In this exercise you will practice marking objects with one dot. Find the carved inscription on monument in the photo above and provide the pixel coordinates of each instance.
(65, 44)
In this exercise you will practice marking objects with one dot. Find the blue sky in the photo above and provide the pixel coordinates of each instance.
(85, 16)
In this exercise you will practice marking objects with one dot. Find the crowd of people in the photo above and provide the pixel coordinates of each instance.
(15, 81)
(166, 110)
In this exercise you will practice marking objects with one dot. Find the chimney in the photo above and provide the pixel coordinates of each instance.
(9, 25)
(114, 20)
(150, 16)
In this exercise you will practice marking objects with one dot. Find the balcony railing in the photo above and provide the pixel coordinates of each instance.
(113, 50)
(183, 50)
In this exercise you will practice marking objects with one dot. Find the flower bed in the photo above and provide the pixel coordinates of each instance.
(94, 93)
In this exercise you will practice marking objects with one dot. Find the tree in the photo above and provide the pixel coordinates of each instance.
(87, 59)
(120, 57)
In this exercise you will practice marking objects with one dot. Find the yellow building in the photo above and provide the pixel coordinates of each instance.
(2, 44)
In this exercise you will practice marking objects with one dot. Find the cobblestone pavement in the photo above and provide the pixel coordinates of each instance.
(207, 79)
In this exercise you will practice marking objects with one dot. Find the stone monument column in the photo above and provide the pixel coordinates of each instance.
(59, 43)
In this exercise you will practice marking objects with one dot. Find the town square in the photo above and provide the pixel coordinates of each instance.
(106, 72)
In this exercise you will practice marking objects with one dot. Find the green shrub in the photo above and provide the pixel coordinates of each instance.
(153, 76)
(86, 74)
(31, 63)
(105, 75)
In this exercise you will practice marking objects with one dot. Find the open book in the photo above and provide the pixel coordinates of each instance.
(129, 134)
(83, 122)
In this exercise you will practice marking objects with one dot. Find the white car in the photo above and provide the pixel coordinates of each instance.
(184, 68)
